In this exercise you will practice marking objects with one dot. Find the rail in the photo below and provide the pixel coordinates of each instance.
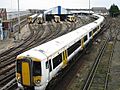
(99, 74)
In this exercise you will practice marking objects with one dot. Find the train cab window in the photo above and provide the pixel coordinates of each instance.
(0, 21)
(36, 68)
(57, 60)
(85, 38)
(18, 66)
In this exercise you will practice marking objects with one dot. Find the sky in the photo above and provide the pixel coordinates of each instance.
(46, 4)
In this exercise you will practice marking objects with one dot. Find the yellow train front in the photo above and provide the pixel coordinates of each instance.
(71, 18)
(32, 18)
(29, 73)
(57, 19)
(40, 19)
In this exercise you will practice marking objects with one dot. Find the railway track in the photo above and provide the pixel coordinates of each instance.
(99, 74)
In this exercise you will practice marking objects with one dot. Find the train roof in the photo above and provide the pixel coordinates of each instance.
(58, 45)
(56, 16)
(34, 15)
(70, 16)
(40, 15)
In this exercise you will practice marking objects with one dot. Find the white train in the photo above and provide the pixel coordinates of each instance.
(71, 18)
(36, 67)
(56, 18)
(40, 19)
(32, 18)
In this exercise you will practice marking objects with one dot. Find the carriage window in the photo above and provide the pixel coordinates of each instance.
(47, 65)
(90, 34)
(72, 48)
(85, 38)
(57, 60)
(95, 29)
(50, 65)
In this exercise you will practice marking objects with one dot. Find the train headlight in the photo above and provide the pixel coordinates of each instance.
(37, 80)
(18, 77)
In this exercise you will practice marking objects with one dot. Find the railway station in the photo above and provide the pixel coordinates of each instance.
(59, 46)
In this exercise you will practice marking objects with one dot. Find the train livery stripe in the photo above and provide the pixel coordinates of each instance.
(59, 9)
(25, 74)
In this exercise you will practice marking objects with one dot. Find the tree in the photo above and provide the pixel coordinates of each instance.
(114, 10)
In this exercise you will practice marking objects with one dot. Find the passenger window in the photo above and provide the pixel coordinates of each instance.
(57, 60)
(95, 30)
(47, 65)
(85, 38)
(50, 65)
(90, 34)
(72, 48)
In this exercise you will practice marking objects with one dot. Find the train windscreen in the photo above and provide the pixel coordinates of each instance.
(36, 68)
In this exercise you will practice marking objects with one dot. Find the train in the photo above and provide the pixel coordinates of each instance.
(56, 18)
(32, 18)
(71, 18)
(36, 67)
(40, 19)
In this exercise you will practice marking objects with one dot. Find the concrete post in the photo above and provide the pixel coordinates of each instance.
(1, 33)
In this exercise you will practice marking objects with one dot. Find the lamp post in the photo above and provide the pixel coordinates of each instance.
(18, 20)
(89, 7)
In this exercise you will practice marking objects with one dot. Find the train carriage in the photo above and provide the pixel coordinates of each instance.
(40, 19)
(32, 18)
(71, 18)
(36, 67)
(57, 19)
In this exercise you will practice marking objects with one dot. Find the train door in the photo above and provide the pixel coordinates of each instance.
(64, 58)
(48, 70)
(47, 73)
(26, 73)
(82, 42)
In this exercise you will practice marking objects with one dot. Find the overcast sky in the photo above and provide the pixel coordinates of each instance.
(46, 4)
